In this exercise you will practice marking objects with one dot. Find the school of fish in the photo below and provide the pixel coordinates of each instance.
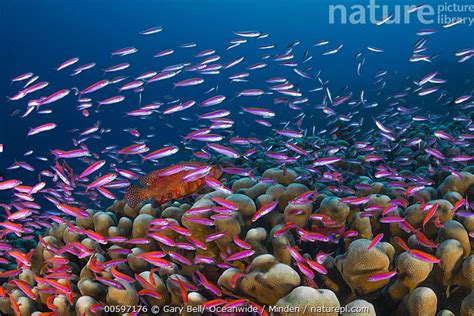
(266, 203)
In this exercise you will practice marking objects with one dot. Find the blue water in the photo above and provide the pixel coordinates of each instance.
(39, 35)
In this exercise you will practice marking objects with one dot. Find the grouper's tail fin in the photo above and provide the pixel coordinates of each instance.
(134, 195)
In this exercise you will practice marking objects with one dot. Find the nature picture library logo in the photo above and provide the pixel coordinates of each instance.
(446, 14)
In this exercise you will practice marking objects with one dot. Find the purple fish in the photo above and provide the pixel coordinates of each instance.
(42, 128)
(212, 101)
(67, 63)
(240, 255)
(189, 82)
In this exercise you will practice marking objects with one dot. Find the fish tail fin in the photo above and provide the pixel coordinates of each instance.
(134, 195)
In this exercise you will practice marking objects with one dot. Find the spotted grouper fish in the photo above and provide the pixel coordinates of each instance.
(171, 183)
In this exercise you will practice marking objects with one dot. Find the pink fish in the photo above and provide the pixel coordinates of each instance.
(264, 209)
(250, 93)
(375, 241)
(189, 82)
(289, 133)
(162, 239)
(22, 77)
(99, 182)
(152, 30)
(226, 151)
(92, 168)
(240, 243)
(214, 115)
(316, 266)
(161, 153)
(42, 128)
(9, 184)
(208, 137)
(381, 276)
(423, 256)
(58, 95)
(179, 258)
(326, 161)
(257, 66)
(240, 255)
(118, 67)
(124, 51)
(305, 269)
(71, 210)
(163, 76)
(19, 215)
(435, 153)
(260, 112)
(96, 86)
(218, 99)
(67, 63)
(131, 85)
(214, 236)
(233, 62)
(430, 214)
(112, 100)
